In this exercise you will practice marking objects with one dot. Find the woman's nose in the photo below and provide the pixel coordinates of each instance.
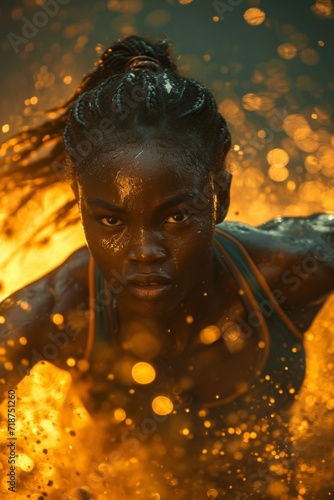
(147, 252)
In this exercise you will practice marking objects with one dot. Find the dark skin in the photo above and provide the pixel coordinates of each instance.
(140, 219)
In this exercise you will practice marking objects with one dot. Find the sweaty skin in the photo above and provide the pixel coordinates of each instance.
(141, 217)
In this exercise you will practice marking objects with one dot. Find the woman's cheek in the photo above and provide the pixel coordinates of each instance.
(115, 243)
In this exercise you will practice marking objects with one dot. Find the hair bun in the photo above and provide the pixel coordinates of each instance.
(136, 52)
(143, 62)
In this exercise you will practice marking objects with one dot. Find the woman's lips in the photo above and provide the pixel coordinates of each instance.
(149, 286)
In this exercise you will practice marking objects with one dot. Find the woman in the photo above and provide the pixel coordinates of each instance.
(212, 312)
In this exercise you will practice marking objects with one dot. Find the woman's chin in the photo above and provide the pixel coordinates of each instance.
(152, 301)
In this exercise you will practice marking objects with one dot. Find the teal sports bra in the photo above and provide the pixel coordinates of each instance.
(281, 364)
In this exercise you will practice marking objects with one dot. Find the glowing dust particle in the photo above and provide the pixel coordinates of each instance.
(34, 100)
(67, 80)
(230, 430)
(185, 432)
(8, 366)
(207, 424)
(143, 373)
(209, 334)
(204, 451)
(110, 376)
(71, 362)
(162, 405)
(254, 16)
(119, 414)
(261, 344)
(5, 128)
(2, 351)
(11, 342)
(189, 320)
(58, 319)
(83, 365)
(131, 391)
(314, 116)
(206, 57)
(23, 341)
(321, 43)
(292, 390)
(128, 421)
(215, 19)
(185, 2)
(236, 147)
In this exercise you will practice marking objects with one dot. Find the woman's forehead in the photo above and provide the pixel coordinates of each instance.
(142, 164)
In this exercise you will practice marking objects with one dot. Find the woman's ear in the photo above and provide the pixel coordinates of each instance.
(223, 196)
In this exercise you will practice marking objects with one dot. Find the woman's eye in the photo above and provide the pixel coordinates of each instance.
(111, 221)
(177, 218)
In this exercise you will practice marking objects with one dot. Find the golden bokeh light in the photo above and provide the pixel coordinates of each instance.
(258, 102)
(278, 172)
(57, 319)
(209, 334)
(287, 50)
(143, 373)
(162, 405)
(254, 16)
(24, 462)
(323, 8)
(119, 414)
(277, 156)
(309, 56)
(159, 17)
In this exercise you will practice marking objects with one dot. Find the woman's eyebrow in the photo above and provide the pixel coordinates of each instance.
(105, 204)
(176, 200)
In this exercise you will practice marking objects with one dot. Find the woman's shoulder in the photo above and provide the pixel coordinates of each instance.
(67, 283)
(295, 255)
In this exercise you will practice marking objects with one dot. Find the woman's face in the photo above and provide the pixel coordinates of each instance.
(149, 226)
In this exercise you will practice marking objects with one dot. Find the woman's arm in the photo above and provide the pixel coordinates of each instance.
(43, 321)
(296, 257)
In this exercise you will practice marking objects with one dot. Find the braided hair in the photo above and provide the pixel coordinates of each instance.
(114, 103)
